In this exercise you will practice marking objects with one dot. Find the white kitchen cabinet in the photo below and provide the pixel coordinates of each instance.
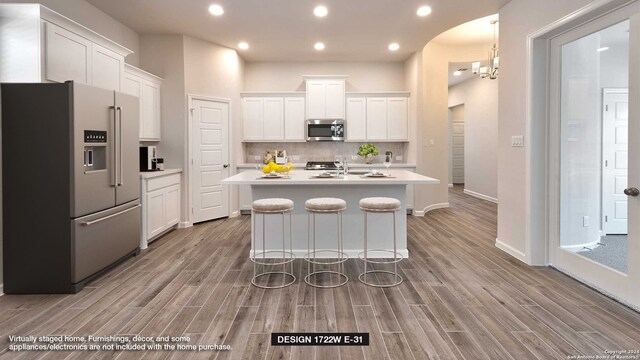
(356, 119)
(160, 194)
(67, 55)
(325, 97)
(147, 87)
(273, 117)
(252, 118)
(45, 46)
(294, 121)
(397, 118)
(377, 118)
(107, 68)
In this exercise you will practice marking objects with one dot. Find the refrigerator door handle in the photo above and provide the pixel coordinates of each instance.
(89, 223)
(114, 178)
(121, 181)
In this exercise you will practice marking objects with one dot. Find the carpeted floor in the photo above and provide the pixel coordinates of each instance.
(612, 254)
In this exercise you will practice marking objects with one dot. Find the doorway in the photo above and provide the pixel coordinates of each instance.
(592, 161)
(456, 151)
(209, 153)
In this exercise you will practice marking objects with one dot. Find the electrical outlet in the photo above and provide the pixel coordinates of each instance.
(432, 142)
(354, 157)
(296, 157)
(257, 157)
(398, 157)
(585, 221)
(517, 141)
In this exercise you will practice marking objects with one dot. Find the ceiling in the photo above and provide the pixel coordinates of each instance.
(474, 32)
(285, 30)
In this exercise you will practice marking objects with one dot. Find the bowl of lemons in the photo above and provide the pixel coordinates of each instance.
(273, 169)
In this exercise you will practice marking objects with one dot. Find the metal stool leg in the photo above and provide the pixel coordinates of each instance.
(263, 261)
(365, 257)
(312, 260)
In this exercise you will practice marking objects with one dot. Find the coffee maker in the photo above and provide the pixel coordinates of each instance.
(148, 155)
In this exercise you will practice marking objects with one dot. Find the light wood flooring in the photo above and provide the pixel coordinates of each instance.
(462, 299)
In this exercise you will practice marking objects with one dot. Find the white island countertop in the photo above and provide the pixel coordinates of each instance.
(305, 177)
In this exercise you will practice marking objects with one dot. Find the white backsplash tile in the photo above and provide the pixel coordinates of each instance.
(321, 151)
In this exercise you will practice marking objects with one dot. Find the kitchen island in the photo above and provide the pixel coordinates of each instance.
(303, 185)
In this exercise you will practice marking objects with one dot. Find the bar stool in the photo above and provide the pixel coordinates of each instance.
(380, 205)
(270, 207)
(324, 206)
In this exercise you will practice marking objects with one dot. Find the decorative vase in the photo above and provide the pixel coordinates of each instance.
(368, 159)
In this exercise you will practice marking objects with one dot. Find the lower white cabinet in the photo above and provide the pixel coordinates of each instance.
(160, 204)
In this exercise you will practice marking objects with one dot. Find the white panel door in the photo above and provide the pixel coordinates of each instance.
(273, 119)
(316, 99)
(252, 118)
(334, 99)
(107, 68)
(356, 119)
(294, 118)
(150, 111)
(210, 150)
(377, 118)
(397, 118)
(67, 56)
(614, 155)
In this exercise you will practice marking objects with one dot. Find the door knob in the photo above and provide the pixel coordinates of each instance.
(631, 192)
(227, 165)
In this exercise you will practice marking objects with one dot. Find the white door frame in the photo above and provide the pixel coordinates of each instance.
(544, 154)
(188, 161)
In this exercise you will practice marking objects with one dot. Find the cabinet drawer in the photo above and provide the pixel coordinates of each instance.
(163, 181)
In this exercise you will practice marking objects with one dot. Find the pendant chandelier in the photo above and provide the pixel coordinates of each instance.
(491, 70)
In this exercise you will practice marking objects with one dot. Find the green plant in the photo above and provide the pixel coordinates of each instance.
(366, 149)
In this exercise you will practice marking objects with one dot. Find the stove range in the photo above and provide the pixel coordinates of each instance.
(320, 165)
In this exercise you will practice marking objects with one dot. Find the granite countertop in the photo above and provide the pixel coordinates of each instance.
(153, 174)
(297, 177)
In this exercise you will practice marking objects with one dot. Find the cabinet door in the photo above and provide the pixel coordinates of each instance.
(150, 111)
(356, 119)
(67, 56)
(398, 118)
(316, 99)
(171, 206)
(155, 220)
(107, 68)
(132, 85)
(335, 99)
(376, 118)
(294, 118)
(273, 125)
(252, 118)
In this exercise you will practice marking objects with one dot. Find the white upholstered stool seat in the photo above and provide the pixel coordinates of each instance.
(379, 204)
(325, 205)
(272, 205)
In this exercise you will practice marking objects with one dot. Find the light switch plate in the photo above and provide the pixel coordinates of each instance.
(257, 157)
(517, 141)
(296, 157)
(431, 142)
(398, 157)
(354, 157)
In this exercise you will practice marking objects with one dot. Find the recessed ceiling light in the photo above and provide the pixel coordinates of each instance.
(319, 46)
(424, 11)
(457, 73)
(604, 48)
(216, 10)
(243, 45)
(394, 46)
(320, 11)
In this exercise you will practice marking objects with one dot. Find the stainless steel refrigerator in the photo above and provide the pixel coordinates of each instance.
(70, 182)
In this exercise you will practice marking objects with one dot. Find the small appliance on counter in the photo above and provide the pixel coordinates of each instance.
(148, 156)
(158, 164)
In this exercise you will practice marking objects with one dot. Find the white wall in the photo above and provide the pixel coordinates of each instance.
(287, 76)
(518, 19)
(480, 99)
(434, 122)
(217, 71)
(93, 18)
(413, 84)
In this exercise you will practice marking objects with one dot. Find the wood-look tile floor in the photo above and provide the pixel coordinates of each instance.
(462, 299)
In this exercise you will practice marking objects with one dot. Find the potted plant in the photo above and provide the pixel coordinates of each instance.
(368, 151)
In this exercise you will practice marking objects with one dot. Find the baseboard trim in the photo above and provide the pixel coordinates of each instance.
(511, 251)
(450, 185)
(184, 225)
(429, 208)
(2, 289)
(576, 248)
(480, 196)
(234, 214)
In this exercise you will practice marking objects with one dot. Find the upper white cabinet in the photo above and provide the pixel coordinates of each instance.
(48, 47)
(325, 97)
(147, 88)
(273, 116)
(378, 116)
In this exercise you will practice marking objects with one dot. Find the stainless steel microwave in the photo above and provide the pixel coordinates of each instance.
(325, 130)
